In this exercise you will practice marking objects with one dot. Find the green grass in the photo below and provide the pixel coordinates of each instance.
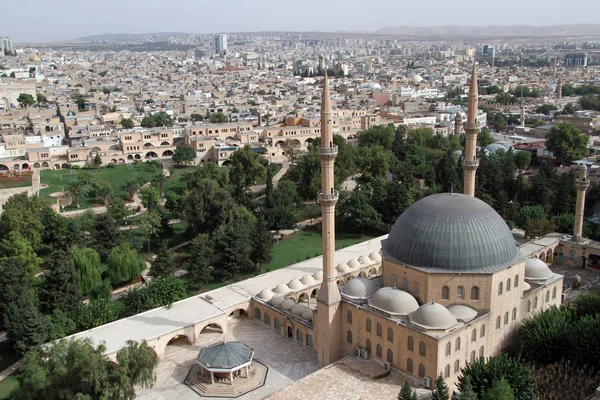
(116, 176)
(8, 386)
(12, 185)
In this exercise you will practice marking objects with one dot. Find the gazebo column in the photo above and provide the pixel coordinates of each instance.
(231, 378)
(212, 378)
(247, 368)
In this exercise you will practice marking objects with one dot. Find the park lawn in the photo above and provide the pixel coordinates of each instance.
(116, 176)
(12, 185)
(173, 183)
(8, 386)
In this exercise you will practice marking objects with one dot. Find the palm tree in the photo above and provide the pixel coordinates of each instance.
(160, 179)
(76, 188)
(103, 189)
(186, 178)
(132, 187)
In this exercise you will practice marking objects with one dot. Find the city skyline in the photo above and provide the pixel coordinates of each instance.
(267, 15)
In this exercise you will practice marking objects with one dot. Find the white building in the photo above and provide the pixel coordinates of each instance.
(220, 43)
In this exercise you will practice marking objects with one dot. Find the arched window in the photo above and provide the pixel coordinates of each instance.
(368, 324)
(547, 296)
(309, 340)
(460, 292)
(482, 331)
(394, 281)
(457, 345)
(379, 350)
(379, 329)
(349, 336)
(481, 351)
(572, 254)
(514, 314)
(508, 284)
(516, 280)
(267, 319)
(448, 348)
(421, 370)
(368, 345)
(506, 318)
(411, 343)
(416, 288)
(257, 313)
(349, 316)
(299, 336)
(409, 365)
(390, 356)
(535, 303)
(499, 288)
(390, 334)
(422, 349)
(528, 306)
(456, 366)
(554, 293)
(445, 293)
(277, 324)
(498, 322)
(474, 293)
(473, 356)
(447, 371)
(473, 335)
(405, 284)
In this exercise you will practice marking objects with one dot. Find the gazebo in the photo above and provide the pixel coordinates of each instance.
(230, 359)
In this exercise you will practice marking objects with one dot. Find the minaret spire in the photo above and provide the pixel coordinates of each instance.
(470, 162)
(328, 321)
(582, 183)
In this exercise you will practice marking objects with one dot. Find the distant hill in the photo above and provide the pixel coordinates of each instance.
(123, 37)
(493, 31)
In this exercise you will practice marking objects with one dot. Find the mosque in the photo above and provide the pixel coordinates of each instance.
(448, 286)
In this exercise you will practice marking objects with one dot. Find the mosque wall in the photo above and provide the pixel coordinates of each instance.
(287, 325)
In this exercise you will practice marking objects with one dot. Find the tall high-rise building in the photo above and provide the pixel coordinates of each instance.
(5, 45)
(220, 43)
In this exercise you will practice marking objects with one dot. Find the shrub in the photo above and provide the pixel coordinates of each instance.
(75, 167)
(110, 165)
(545, 337)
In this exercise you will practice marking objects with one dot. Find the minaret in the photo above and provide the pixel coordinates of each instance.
(458, 123)
(582, 183)
(470, 162)
(523, 116)
(554, 69)
(328, 321)
(559, 88)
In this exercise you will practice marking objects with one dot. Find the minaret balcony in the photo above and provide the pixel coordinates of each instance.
(327, 151)
(471, 127)
(328, 198)
(470, 163)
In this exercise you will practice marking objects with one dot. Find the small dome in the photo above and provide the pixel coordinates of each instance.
(373, 85)
(287, 304)
(463, 313)
(353, 263)
(277, 300)
(494, 147)
(393, 301)
(298, 309)
(343, 267)
(537, 269)
(318, 276)
(433, 316)
(375, 256)
(307, 315)
(526, 286)
(295, 284)
(307, 280)
(416, 79)
(364, 260)
(359, 287)
(266, 295)
(282, 288)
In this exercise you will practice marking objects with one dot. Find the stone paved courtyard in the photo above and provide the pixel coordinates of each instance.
(287, 361)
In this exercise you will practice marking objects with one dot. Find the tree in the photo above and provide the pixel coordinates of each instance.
(163, 264)
(97, 161)
(22, 214)
(159, 292)
(23, 322)
(291, 149)
(87, 264)
(570, 109)
(198, 260)
(378, 136)
(26, 100)
(173, 202)
(75, 369)
(132, 187)
(546, 108)
(161, 118)
(124, 264)
(148, 122)
(567, 143)
(466, 392)
(545, 338)
(261, 242)
(269, 188)
(447, 176)
(184, 155)
(527, 213)
(61, 289)
(359, 213)
(441, 391)
(246, 168)
(150, 222)
(17, 247)
(196, 117)
(40, 98)
(150, 197)
(406, 392)
(284, 212)
(159, 180)
(206, 207)
(118, 210)
(106, 235)
(104, 190)
(232, 247)
(481, 375)
(500, 390)
(484, 138)
(127, 123)
(522, 159)
(95, 313)
(76, 188)
(217, 118)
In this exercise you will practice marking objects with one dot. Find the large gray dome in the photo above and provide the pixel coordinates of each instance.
(451, 232)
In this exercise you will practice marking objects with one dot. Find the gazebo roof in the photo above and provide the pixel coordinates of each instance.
(225, 355)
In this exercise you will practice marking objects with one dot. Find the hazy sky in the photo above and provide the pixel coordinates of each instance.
(50, 20)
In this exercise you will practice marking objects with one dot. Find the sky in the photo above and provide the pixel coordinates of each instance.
(47, 21)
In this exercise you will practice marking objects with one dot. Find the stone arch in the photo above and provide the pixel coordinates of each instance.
(3, 167)
(130, 157)
(25, 166)
(4, 101)
(549, 256)
(226, 163)
(308, 141)
(45, 165)
(239, 313)
(37, 165)
(114, 161)
(542, 256)
(115, 148)
(151, 154)
(303, 297)
(165, 144)
(167, 153)
(211, 328)
(363, 274)
(138, 157)
(280, 143)
(95, 150)
(56, 166)
(315, 293)
(16, 167)
(373, 271)
(176, 341)
(65, 166)
(121, 161)
(148, 145)
(351, 137)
